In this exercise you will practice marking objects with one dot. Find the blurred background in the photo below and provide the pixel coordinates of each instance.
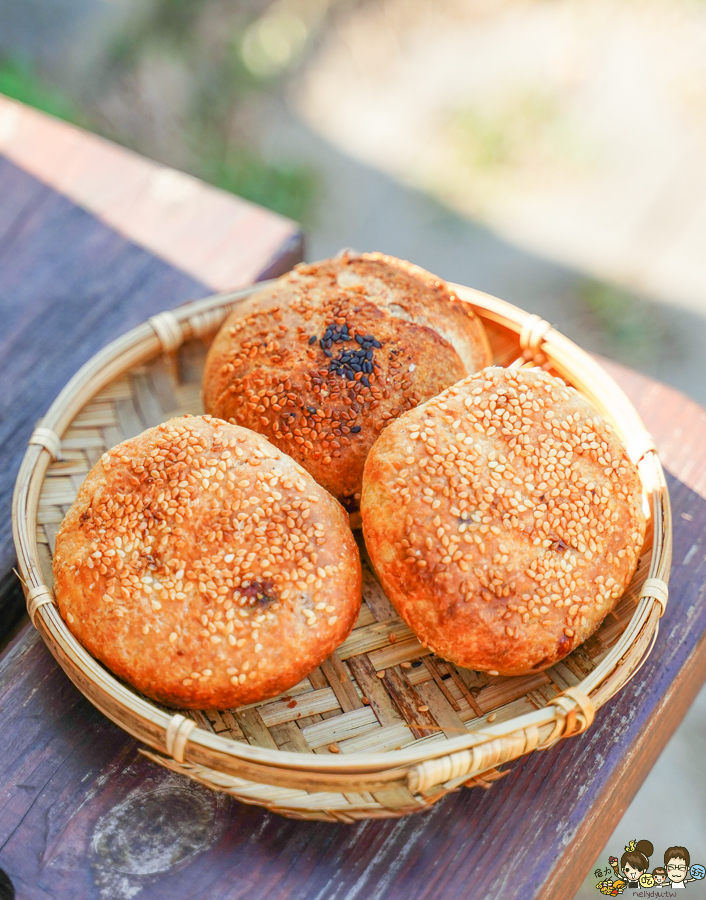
(552, 152)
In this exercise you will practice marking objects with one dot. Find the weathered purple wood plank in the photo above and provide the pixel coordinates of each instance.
(83, 816)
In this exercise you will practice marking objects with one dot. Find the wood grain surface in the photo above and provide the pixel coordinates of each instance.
(70, 781)
(68, 285)
(218, 238)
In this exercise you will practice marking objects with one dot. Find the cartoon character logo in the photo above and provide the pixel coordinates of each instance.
(679, 871)
(633, 870)
(676, 862)
(635, 862)
(660, 876)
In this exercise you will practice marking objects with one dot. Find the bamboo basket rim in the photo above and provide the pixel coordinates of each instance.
(569, 713)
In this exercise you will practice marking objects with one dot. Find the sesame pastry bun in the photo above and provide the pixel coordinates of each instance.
(323, 359)
(504, 520)
(205, 567)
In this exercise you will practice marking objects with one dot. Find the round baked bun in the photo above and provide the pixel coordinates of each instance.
(323, 359)
(205, 567)
(504, 520)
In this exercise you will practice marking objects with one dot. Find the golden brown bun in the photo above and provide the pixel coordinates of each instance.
(205, 567)
(504, 520)
(272, 369)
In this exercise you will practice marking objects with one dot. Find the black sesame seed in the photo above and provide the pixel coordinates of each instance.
(377, 344)
(312, 339)
(328, 353)
(355, 367)
(365, 381)
(369, 354)
(355, 429)
(359, 339)
(368, 337)
(416, 664)
(368, 367)
(312, 409)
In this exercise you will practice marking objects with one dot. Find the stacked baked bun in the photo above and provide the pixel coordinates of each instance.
(327, 356)
(208, 563)
(205, 567)
(504, 520)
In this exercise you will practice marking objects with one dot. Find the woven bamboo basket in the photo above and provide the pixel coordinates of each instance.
(383, 727)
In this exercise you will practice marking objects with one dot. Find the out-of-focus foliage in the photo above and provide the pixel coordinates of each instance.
(632, 329)
(179, 84)
(19, 81)
(207, 102)
(284, 187)
(504, 134)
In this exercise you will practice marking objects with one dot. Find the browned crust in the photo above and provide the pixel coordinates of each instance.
(503, 532)
(262, 372)
(205, 531)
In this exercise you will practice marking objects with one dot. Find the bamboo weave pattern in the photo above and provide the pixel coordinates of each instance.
(381, 691)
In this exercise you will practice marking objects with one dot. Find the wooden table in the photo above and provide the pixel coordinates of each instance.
(83, 815)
